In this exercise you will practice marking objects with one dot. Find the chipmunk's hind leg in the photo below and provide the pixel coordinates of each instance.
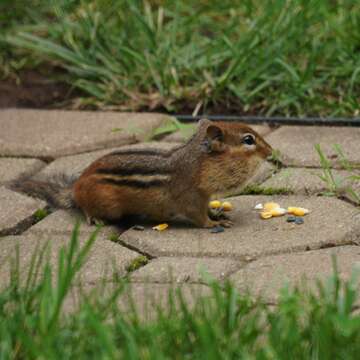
(90, 220)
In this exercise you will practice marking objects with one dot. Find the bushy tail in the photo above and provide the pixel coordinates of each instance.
(56, 190)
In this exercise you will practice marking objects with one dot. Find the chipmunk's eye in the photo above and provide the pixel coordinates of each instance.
(248, 139)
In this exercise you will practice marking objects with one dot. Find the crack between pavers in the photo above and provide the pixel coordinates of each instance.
(315, 167)
(24, 224)
(295, 251)
(246, 258)
(134, 248)
(46, 159)
(175, 282)
(349, 201)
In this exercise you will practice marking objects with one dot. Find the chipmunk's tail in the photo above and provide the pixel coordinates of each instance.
(56, 190)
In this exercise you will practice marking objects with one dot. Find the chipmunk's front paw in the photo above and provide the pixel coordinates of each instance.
(217, 214)
(226, 223)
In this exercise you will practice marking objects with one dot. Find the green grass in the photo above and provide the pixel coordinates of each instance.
(41, 214)
(317, 324)
(261, 190)
(339, 185)
(246, 56)
(137, 263)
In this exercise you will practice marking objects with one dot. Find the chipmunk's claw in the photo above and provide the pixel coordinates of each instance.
(226, 223)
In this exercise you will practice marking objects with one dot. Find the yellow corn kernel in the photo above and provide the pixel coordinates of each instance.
(215, 204)
(161, 227)
(277, 212)
(271, 205)
(227, 206)
(265, 215)
(298, 211)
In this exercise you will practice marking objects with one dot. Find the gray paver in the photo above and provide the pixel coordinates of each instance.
(268, 275)
(308, 181)
(13, 168)
(147, 298)
(42, 133)
(62, 222)
(186, 269)
(75, 164)
(296, 143)
(331, 221)
(264, 172)
(16, 210)
(105, 257)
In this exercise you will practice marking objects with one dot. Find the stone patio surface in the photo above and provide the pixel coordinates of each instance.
(258, 255)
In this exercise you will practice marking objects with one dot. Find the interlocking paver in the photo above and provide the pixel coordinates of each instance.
(62, 222)
(13, 168)
(268, 275)
(147, 298)
(264, 172)
(296, 143)
(16, 210)
(185, 269)
(75, 164)
(42, 133)
(308, 181)
(331, 221)
(105, 257)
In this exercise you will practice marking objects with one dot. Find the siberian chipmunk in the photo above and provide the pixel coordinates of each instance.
(163, 185)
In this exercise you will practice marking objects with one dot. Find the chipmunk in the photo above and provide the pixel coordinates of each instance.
(163, 185)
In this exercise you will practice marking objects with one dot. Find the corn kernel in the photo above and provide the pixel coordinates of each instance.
(265, 215)
(161, 227)
(271, 205)
(277, 212)
(298, 211)
(215, 204)
(227, 206)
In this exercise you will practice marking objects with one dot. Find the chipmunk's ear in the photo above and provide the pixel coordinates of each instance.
(214, 139)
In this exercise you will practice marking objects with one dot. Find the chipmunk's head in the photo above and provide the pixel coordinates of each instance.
(234, 151)
(234, 138)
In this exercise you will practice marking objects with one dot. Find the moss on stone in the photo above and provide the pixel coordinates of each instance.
(260, 190)
(137, 263)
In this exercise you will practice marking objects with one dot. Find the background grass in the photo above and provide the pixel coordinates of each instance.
(317, 324)
(290, 57)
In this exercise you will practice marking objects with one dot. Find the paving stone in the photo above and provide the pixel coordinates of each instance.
(262, 129)
(331, 222)
(16, 211)
(308, 181)
(263, 173)
(268, 275)
(185, 269)
(105, 257)
(62, 222)
(43, 133)
(147, 298)
(296, 144)
(13, 168)
(75, 164)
